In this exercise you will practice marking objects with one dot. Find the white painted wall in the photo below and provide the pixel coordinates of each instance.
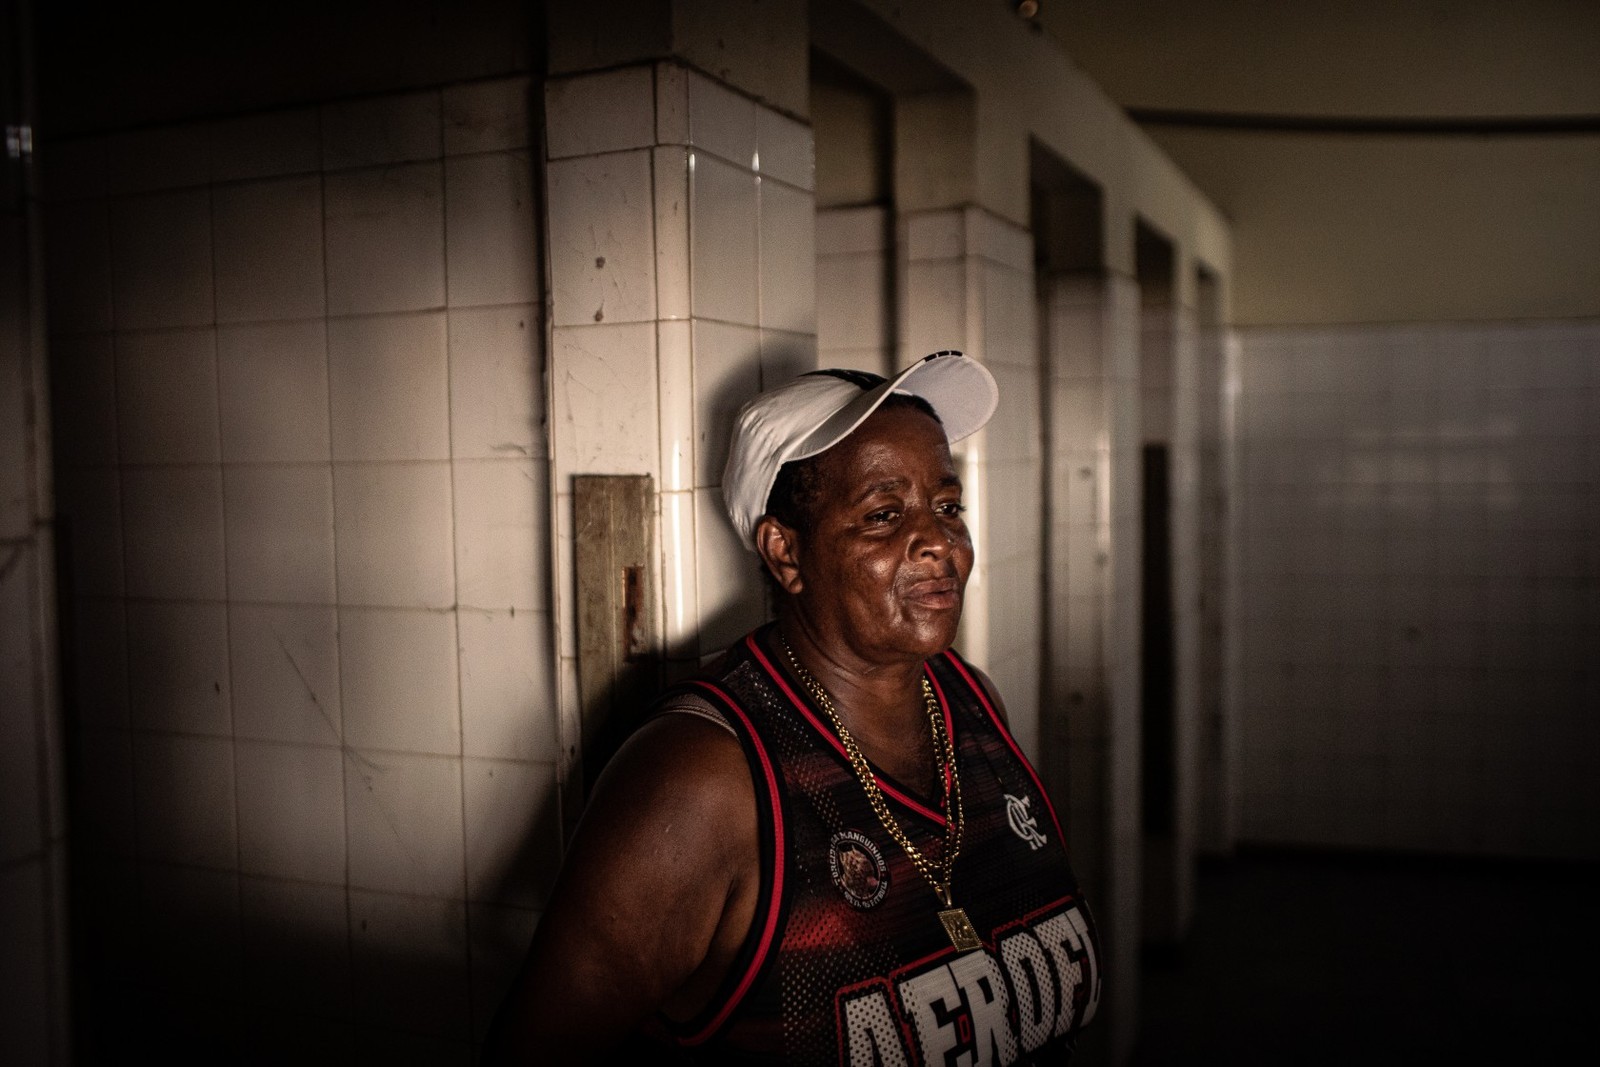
(1390, 228)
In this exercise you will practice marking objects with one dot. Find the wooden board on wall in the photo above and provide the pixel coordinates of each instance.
(619, 661)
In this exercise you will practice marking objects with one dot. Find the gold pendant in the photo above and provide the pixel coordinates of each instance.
(959, 927)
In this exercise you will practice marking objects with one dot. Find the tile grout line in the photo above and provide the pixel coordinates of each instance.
(139, 858)
(227, 630)
(455, 570)
(663, 389)
(345, 753)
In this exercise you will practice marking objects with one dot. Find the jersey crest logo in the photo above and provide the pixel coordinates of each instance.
(1023, 823)
(857, 868)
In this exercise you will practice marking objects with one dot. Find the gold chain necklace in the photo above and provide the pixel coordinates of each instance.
(956, 923)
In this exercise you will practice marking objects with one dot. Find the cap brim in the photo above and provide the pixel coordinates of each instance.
(960, 390)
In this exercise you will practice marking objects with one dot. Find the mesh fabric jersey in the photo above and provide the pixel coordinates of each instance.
(846, 960)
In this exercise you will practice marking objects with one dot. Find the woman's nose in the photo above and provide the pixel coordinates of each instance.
(929, 537)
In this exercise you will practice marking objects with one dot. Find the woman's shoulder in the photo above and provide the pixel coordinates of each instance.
(979, 680)
(685, 749)
(688, 702)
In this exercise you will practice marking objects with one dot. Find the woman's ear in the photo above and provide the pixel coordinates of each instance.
(779, 546)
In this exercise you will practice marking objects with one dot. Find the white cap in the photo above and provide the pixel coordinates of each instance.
(816, 411)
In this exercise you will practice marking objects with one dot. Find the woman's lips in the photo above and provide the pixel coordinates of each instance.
(935, 592)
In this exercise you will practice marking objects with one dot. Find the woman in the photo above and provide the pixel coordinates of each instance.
(827, 848)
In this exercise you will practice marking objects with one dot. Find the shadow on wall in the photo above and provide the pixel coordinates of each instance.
(178, 953)
(266, 867)
(174, 957)
(178, 947)
(339, 881)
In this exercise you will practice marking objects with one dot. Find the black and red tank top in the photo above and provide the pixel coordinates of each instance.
(846, 960)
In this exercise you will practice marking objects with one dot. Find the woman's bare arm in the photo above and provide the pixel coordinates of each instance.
(653, 901)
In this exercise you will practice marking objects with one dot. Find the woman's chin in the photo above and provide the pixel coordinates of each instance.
(934, 631)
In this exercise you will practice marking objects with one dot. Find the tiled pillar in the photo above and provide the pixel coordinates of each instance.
(1091, 344)
(1170, 393)
(1186, 515)
(33, 827)
(1216, 818)
(855, 289)
(1233, 615)
(966, 282)
(682, 277)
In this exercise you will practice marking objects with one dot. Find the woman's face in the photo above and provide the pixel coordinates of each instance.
(884, 566)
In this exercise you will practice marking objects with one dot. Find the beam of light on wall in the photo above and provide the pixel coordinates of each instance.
(679, 622)
(974, 632)
(972, 497)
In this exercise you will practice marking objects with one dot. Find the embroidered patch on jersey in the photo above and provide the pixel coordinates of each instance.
(857, 868)
(1023, 823)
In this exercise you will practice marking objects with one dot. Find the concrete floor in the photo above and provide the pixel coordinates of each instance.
(1319, 959)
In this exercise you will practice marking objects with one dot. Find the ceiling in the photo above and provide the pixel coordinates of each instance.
(1429, 59)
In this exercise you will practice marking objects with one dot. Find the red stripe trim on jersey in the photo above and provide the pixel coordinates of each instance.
(833, 739)
(999, 724)
(775, 903)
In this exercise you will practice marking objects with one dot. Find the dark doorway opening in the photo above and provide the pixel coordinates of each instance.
(1158, 762)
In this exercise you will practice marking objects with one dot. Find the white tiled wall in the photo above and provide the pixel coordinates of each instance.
(682, 282)
(1092, 327)
(1013, 479)
(966, 281)
(855, 289)
(1076, 340)
(1418, 586)
(303, 463)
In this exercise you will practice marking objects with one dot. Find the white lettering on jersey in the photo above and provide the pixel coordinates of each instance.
(1081, 925)
(872, 1037)
(983, 988)
(1034, 984)
(960, 1012)
(933, 1002)
(1070, 950)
